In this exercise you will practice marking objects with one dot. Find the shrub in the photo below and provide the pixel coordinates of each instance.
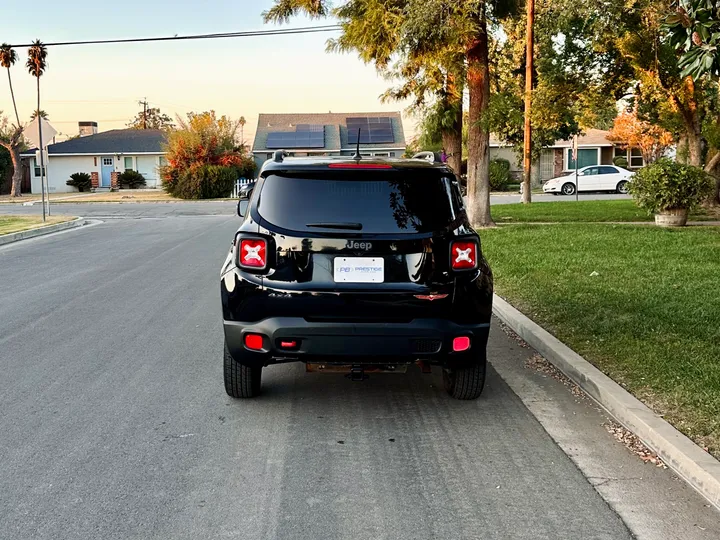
(620, 161)
(80, 180)
(131, 179)
(499, 174)
(668, 185)
(204, 182)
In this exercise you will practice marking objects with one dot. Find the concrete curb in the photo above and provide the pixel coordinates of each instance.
(41, 231)
(688, 460)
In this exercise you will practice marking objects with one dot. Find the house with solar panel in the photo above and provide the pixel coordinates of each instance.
(329, 134)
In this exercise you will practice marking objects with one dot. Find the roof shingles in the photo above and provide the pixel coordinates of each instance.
(117, 141)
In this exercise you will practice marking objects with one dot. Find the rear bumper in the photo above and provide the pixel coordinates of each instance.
(356, 343)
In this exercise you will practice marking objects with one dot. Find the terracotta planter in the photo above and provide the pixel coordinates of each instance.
(676, 217)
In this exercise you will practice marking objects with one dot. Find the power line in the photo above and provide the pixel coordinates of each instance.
(251, 33)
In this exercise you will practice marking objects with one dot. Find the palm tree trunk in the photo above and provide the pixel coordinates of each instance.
(478, 136)
(12, 95)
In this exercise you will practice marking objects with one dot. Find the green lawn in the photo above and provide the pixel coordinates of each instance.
(640, 302)
(566, 211)
(11, 224)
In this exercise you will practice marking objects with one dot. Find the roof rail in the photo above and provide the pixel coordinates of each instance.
(279, 155)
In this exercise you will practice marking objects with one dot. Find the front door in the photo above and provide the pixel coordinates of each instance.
(108, 166)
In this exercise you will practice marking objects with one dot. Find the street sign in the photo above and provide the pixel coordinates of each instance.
(48, 133)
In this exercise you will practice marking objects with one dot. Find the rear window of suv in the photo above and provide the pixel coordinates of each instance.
(381, 206)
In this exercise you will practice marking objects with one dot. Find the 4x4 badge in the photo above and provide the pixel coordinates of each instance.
(366, 246)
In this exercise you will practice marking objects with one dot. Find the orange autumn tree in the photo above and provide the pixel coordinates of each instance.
(630, 132)
(204, 157)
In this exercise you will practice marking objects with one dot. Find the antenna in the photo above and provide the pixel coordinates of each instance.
(357, 155)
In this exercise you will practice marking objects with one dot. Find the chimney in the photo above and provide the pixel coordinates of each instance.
(87, 128)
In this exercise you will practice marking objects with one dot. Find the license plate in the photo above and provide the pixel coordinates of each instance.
(359, 269)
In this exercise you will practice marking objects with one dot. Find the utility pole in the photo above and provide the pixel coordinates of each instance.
(144, 103)
(527, 151)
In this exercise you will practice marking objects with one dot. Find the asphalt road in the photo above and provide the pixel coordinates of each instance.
(139, 210)
(114, 423)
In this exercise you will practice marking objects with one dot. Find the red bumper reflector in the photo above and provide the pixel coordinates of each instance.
(461, 344)
(288, 344)
(254, 342)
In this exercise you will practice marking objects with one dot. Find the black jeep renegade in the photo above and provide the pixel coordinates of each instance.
(360, 263)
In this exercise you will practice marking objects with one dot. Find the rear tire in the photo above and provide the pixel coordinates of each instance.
(622, 187)
(465, 383)
(240, 381)
(568, 189)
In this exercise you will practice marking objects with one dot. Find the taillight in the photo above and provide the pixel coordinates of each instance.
(464, 255)
(253, 253)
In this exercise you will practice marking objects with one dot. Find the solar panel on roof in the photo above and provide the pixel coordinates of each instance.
(373, 130)
(307, 137)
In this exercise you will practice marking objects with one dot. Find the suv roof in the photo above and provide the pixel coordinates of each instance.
(323, 163)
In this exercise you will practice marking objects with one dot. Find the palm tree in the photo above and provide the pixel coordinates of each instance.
(8, 57)
(242, 123)
(36, 65)
(13, 141)
(42, 113)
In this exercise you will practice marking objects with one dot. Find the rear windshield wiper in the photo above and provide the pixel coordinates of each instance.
(344, 226)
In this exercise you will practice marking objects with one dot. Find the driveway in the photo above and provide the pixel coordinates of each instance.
(115, 423)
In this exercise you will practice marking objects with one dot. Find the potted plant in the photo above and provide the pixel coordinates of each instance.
(670, 190)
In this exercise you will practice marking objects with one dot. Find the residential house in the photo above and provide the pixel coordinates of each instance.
(594, 148)
(329, 134)
(103, 153)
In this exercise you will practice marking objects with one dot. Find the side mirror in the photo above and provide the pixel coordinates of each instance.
(242, 207)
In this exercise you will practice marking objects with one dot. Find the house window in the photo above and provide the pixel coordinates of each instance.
(37, 171)
(586, 157)
(107, 161)
(392, 154)
(636, 159)
(128, 163)
(620, 152)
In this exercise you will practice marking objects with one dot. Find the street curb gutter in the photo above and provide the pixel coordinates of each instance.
(41, 231)
(688, 460)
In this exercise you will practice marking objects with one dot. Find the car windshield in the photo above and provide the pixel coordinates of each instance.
(400, 204)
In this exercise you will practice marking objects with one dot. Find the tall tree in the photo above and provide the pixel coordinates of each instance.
(12, 139)
(36, 65)
(8, 57)
(41, 113)
(694, 29)
(152, 118)
(421, 29)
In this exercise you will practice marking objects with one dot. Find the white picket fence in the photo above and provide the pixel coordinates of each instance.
(236, 189)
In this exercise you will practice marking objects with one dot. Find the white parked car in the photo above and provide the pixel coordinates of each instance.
(592, 178)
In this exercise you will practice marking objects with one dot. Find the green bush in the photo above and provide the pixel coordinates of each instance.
(499, 174)
(204, 182)
(669, 185)
(620, 161)
(131, 179)
(80, 180)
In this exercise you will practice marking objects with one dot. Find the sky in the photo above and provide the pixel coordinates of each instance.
(236, 77)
